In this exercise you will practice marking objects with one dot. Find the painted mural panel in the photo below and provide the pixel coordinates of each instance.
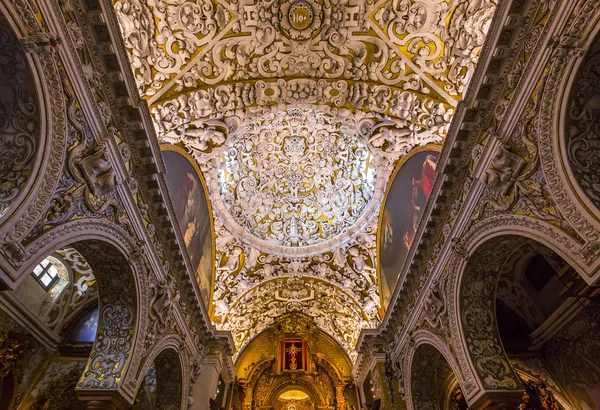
(85, 328)
(191, 208)
(404, 205)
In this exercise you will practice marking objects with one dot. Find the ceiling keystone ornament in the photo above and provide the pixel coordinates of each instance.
(297, 112)
(300, 19)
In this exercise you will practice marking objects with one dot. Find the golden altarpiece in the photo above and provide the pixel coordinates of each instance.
(294, 365)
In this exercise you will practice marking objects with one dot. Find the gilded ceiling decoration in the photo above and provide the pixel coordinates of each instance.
(331, 308)
(297, 112)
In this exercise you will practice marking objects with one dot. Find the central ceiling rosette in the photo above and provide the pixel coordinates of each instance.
(297, 181)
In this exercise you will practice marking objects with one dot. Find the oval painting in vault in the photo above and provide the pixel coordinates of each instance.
(404, 205)
(191, 207)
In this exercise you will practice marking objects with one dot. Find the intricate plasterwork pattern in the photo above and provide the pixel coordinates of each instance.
(477, 314)
(19, 119)
(347, 260)
(332, 310)
(162, 36)
(429, 371)
(117, 318)
(359, 62)
(296, 177)
(429, 46)
(582, 128)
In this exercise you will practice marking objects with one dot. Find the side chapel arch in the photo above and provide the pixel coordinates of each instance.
(552, 128)
(474, 274)
(120, 272)
(170, 366)
(432, 378)
(35, 140)
(577, 123)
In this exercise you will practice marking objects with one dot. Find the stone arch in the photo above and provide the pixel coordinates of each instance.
(430, 376)
(121, 275)
(265, 390)
(47, 134)
(546, 234)
(473, 273)
(477, 312)
(419, 338)
(168, 349)
(489, 232)
(563, 66)
(289, 385)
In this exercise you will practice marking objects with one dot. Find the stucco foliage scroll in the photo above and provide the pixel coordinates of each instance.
(19, 118)
(331, 309)
(583, 127)
(116, 323)
(297, 113)
(478, 316)
(427, 46)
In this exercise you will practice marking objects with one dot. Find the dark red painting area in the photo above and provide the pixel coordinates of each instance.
(293, 354)
(403, 209)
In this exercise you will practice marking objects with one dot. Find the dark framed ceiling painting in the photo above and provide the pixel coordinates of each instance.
(188, 195)
(403, 207)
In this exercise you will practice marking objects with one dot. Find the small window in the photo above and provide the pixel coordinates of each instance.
(46, 274)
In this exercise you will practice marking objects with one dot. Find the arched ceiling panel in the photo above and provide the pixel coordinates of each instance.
(332, 310)
(297, 112)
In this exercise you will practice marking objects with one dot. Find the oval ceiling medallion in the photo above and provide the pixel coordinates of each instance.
(301, 19)
(296, 179)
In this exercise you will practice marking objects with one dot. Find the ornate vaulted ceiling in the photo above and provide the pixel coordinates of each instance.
(297, 112)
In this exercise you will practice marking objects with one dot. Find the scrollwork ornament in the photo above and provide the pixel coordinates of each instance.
(117, 317)
(583, 128)
(19, 119)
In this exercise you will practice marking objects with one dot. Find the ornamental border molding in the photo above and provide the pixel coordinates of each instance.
(524, 227)
(53, 125)
(559, 177)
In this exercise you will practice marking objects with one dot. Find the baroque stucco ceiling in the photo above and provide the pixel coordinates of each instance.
(297, 112)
